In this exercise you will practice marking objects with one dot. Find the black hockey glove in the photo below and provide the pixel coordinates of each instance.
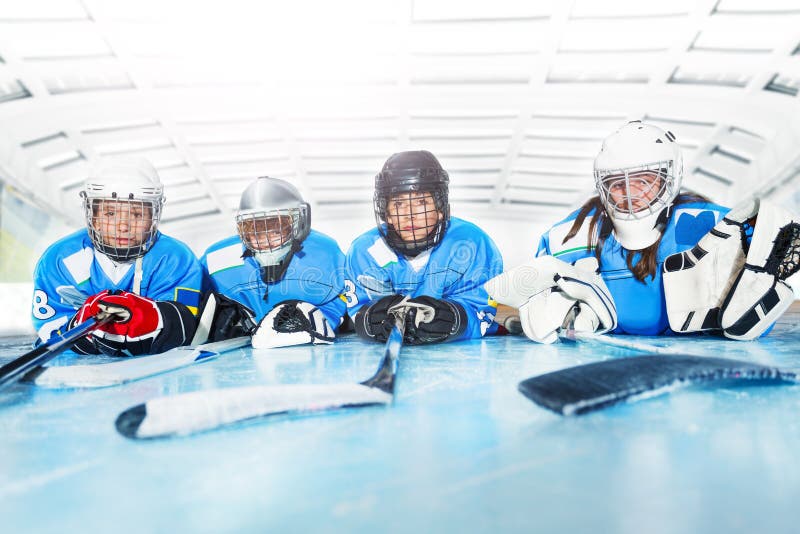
(223, 318)
(373, 322)
(449, 321)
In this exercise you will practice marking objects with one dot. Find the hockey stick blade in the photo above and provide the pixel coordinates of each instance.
(15, 369)
(585, 388)
(198, 411)
(188, 413)
(130, 369)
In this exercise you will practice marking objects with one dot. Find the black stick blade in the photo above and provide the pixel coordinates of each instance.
(129, 421)
(585, 388)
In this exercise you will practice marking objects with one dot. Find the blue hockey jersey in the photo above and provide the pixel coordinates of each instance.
(70, 271)
(315, 275)
(641, 306)
(454, 270)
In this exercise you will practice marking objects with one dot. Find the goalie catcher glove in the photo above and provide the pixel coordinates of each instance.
(139, 325)
(760, 295)
(373, 322)
(444, 320)
(293, 322)
(733, 279)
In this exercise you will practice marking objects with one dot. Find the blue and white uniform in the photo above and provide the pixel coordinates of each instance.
(71, 270)
(641, 306)
(455, 270)
(315, 275)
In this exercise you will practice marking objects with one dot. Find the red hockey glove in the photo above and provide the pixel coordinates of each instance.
(88, 309)
(134, 317)
(136, 322)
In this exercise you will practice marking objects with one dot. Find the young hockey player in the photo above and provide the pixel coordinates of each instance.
(642, 258)
(418, 250)
(123, 266)
(288, 276)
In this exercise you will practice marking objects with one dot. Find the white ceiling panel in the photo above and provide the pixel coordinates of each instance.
(514, 97)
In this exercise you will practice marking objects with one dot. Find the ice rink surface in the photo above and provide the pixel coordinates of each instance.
(461, 450)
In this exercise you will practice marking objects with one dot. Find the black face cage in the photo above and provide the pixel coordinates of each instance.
(104, 226)
(389, 226)
(254, 230)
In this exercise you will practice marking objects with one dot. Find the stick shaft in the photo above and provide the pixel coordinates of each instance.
(126, 370)
(572, 335)
(46, 351)
(383, 379)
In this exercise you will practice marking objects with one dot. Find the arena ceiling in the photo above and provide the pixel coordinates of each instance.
(513, 96)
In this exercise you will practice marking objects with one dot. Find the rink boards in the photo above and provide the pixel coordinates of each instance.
(460, 450)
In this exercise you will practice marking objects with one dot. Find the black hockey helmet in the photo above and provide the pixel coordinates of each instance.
(406, 174)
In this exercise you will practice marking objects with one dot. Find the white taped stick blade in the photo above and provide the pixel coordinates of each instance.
(206, 410)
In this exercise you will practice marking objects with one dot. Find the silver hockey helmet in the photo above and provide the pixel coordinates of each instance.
(273, 220)
(638, 174)
(122, 200)
(411, 204)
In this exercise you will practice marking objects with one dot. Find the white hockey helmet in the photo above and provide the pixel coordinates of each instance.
(273, 220)
(638, 174)
(122, 200)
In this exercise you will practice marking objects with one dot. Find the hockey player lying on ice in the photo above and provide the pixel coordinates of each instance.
(276, 272)
(641, 258)
(122, 266)
(417, 250)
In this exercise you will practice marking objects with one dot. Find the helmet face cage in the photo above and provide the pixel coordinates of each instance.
(273, 230)
(636, 192)
(122, 229)
(413, 220)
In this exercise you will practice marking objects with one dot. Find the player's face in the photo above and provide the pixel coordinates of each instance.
(635, 194)
(267, 233)
(413, 215)
(122, 223)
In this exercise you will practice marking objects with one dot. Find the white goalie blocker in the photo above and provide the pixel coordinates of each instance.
(550, 292)
(722, 283)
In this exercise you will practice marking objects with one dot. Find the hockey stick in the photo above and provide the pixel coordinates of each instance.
(590, 387)
(206, 410)
(585, 388)
(45, 352)
(567, 333)
(130, 369)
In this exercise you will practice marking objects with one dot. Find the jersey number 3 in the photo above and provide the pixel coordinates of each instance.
(350, 293)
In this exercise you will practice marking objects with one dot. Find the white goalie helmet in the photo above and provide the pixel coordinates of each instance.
(638, 174)
(122, 201)
(273, 220)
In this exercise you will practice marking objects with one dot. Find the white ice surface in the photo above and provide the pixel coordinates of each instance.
(460, 450)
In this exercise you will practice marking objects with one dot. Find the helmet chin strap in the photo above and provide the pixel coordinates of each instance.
(271, 258)
(274, 263)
